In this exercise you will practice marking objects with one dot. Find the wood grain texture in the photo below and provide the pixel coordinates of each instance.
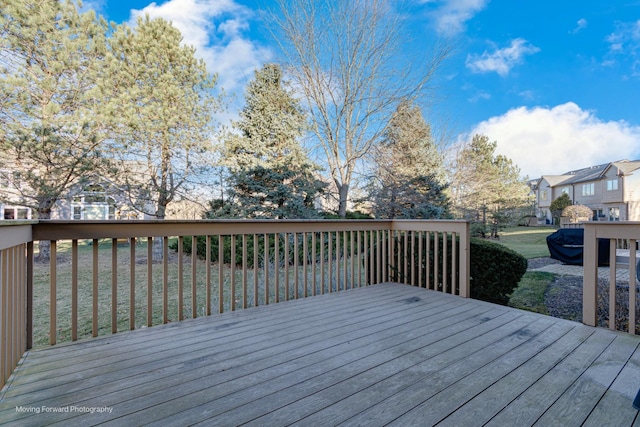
(384, 354)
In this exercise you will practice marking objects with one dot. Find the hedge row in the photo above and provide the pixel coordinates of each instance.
(495, 269)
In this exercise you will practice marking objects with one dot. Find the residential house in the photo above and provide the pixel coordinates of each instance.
(92, 199)
(611, 190)
(10, 187)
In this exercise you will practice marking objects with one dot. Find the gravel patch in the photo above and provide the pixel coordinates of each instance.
(563, 298)
(534, 263)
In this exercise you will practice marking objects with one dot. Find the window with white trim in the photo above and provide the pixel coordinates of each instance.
(588, 189)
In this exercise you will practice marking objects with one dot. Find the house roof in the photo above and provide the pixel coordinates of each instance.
(626, 167)
(592, 173)
(554, 180)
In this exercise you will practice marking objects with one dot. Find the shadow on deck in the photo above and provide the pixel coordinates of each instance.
(385, 354)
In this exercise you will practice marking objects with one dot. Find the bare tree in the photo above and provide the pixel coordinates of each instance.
(345, 59)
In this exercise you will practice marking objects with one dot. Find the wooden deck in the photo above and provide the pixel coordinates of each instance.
(386, 354)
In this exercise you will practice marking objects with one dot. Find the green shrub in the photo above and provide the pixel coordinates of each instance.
(202, 246)
(495, 270)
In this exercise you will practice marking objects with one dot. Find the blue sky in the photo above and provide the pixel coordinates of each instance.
(555, 83)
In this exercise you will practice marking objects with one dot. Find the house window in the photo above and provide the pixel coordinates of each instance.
(588, 189)
(612, 184)
(77, 212)
(614, 214)
(565, 190)
(23, 213)
(543, 195)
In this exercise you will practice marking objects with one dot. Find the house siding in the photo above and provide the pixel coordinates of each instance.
(613, 190)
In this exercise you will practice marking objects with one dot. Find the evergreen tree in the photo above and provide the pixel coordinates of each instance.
(271, 175)
(408, 180)
(485, 183)
(51, 129)
(161, 105)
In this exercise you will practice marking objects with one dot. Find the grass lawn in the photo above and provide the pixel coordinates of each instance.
(122, 274)
(529, 295)
(530, 242)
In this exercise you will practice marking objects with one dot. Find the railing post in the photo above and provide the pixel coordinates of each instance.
(465, 263)
(590, 263)
(29, 295)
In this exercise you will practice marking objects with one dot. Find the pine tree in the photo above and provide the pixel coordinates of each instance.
(161, 106)
(487, 183)
(271, 175)
(408, 178)
(51, 132)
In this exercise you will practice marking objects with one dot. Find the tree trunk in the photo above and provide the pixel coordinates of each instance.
(44, 246)
(343, 193)
(158, 242)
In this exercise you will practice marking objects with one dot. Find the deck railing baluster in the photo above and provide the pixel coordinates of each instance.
(180, 278)
(194, 282)
(266, 260)
(233, 273)
(276, 265)
(149, 281)
(305, 261)
(220, 274)
(245, 267)
(165, 279)
(74, 290)
(53, 292)
(314, 281)
(132, 284)
(255, 268)
(95, 282)
(296, 275)
(114, 286)
(208, 275)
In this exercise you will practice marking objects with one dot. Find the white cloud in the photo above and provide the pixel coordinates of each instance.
(481, 95)
(551, 141)
(501, 60)
(581, 24)
(451, 15)
(217, 29)
(624, 43)
(529, 95)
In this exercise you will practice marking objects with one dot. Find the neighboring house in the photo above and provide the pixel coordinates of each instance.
(91, 199)
(10, 183)
(611, 190)
(94, 199)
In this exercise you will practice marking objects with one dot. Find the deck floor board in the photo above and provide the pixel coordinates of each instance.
(386, 354)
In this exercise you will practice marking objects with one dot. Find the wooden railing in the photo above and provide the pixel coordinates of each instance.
(108, 276)
(618, 302)
(15, 295)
